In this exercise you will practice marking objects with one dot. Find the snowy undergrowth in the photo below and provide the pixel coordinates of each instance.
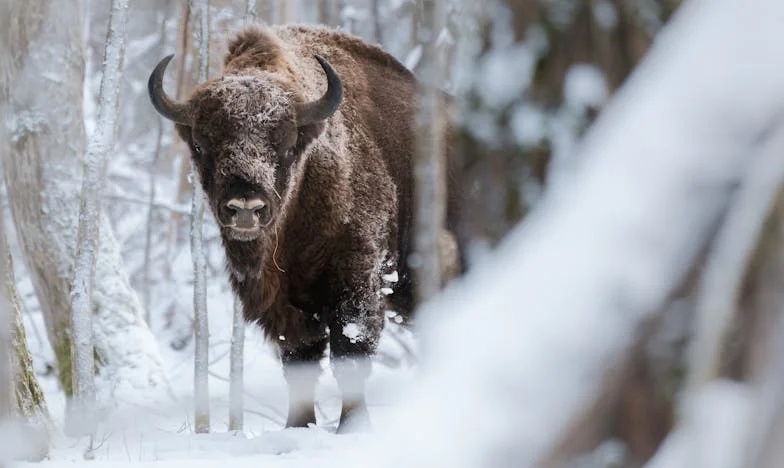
(163, 429)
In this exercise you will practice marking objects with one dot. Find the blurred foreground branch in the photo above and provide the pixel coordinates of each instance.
(568, 292)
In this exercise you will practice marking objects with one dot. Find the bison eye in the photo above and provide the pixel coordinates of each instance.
(196, 148)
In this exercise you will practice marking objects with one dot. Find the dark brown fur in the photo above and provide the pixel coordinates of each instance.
(346, 218)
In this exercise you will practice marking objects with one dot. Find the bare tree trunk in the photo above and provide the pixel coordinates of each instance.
(236, 357)
(100, 146)
(266, 11)
(159, 132)
(429, 173)
(20, 395)
(416, 22)
(6, 393)
(322, 11)
(329, 12)
(375, 13)
(201, 328)
(287, 12)
(236, 385)
(30, 399)
(42, 171)
(754, 351)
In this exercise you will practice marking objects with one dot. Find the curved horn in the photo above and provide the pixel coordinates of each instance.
(172, 110)
(312, 112)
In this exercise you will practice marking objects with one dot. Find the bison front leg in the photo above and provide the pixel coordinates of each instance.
(301, 370)
(354, 334)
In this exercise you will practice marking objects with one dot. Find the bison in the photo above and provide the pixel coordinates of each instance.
(304, 148)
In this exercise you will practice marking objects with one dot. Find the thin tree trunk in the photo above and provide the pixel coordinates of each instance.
(201, 328)
(329, 12)
(429, 173)
(375, 13)
(147, 283)
(236, 357)
(236, 385)
(322, 11)
(250, 11)
(100, 146)
(416, 22)
(287, 12)
(44, 146)
(760, 332)
(266, 11)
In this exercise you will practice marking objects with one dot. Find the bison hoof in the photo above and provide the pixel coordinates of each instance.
(354, 419)
(301, 417)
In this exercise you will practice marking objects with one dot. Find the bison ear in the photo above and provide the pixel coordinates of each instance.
(306, 134)
(184, 131)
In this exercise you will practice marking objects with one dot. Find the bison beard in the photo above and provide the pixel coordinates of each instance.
(313, 193)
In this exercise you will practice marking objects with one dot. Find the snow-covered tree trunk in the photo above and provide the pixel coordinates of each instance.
(99, 148)
(236, 357)
(200, 324)
(42, 49)
(429, 173)
(250, 11)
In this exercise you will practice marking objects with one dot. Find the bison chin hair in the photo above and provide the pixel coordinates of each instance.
(243, 236)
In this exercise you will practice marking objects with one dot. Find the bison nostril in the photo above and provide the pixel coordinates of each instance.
(247, 214)
(264, 214)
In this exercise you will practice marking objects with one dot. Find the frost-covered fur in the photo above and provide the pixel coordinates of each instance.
(341, 203)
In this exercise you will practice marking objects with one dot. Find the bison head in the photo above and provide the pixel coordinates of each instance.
(246, 133)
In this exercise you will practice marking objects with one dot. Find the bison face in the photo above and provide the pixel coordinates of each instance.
(246, 133)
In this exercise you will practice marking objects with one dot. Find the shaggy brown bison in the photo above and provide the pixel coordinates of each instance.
(304, 148)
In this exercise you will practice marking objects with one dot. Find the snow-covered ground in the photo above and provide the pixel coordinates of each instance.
(162, 430)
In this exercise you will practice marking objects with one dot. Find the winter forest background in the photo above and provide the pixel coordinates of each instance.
(624, 301)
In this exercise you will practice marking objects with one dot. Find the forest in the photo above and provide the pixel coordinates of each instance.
(391, 233)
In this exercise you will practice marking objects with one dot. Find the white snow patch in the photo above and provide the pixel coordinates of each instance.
(391, 277)
(605, 14)
(353, 332)
(387, 291)
(529, 125)
(585, 86)
(505, 74)
(413, 57)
